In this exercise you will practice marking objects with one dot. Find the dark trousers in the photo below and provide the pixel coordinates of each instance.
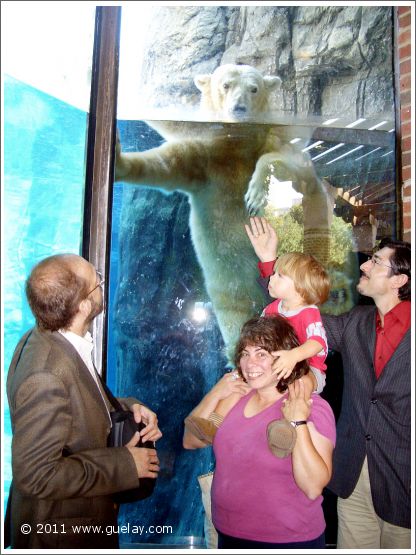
(228, 542)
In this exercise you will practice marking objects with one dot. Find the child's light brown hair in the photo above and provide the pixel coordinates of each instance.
(309, 276)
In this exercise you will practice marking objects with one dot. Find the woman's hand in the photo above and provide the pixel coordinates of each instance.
(229, 387)
(297, 406)
(230, 383)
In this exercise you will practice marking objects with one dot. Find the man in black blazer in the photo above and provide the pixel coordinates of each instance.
(64, 475)
(372, 457)
(371, 470)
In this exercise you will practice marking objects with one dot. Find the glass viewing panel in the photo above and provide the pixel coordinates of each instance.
(307, 138)
(46, 100)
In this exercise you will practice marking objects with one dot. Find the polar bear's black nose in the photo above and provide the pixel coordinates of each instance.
(240, 109)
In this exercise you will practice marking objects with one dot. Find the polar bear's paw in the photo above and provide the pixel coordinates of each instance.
(122, 165)
(119, 164)
(256, 195)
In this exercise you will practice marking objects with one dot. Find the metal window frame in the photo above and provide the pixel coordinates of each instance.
(99, 172)
(398, 124)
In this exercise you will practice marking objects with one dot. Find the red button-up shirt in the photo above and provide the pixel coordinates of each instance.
(396, 324)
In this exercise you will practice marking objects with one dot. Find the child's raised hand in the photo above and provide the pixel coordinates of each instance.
(284, 363)
(263, 238)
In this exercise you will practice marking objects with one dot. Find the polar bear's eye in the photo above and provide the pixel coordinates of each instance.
(226, 86)
(254, 90)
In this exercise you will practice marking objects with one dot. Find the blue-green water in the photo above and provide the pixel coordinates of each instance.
(44, 177)
(44, 159)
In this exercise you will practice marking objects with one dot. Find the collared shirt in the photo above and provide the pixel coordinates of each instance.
(396, 324)
(84, 346)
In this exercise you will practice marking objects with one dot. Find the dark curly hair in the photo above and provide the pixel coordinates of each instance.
(273, 333)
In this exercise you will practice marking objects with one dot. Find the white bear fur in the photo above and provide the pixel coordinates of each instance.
(225, 171)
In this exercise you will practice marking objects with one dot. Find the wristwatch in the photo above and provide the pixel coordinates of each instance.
(296, 423)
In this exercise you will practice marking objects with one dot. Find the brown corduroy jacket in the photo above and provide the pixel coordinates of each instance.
(64, 474)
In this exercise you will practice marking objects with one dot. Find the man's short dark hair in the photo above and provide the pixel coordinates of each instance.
(54, 292)
(400, 262)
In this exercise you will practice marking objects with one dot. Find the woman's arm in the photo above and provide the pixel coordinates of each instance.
(227, 386)
(312, 460)
(312, 453)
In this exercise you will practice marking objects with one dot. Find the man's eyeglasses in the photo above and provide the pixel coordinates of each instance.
(376, 260)
(100, 283)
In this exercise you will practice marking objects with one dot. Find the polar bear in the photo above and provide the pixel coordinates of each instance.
(225, 170)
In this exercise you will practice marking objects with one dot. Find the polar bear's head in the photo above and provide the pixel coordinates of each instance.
(235, 92)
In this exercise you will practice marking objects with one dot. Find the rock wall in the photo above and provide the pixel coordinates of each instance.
(331, 59)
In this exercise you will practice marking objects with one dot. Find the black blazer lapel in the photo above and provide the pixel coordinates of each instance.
(369, 329)
(402, 348)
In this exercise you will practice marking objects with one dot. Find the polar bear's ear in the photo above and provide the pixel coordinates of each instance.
(203, 82)
(271, 82)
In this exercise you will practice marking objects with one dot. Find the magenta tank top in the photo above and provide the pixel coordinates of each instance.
(254, 494)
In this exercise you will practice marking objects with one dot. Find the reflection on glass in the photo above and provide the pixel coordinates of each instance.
(292, 125)
(46, 98)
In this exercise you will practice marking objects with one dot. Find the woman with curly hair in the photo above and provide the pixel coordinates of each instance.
(258, 499)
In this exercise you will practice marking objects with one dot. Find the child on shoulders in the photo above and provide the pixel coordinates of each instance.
(298, 283)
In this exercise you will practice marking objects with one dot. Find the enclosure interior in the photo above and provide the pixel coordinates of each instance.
(333, 108)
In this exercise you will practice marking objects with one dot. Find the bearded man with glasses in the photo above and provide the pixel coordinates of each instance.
(64, 475)
(372, 456)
